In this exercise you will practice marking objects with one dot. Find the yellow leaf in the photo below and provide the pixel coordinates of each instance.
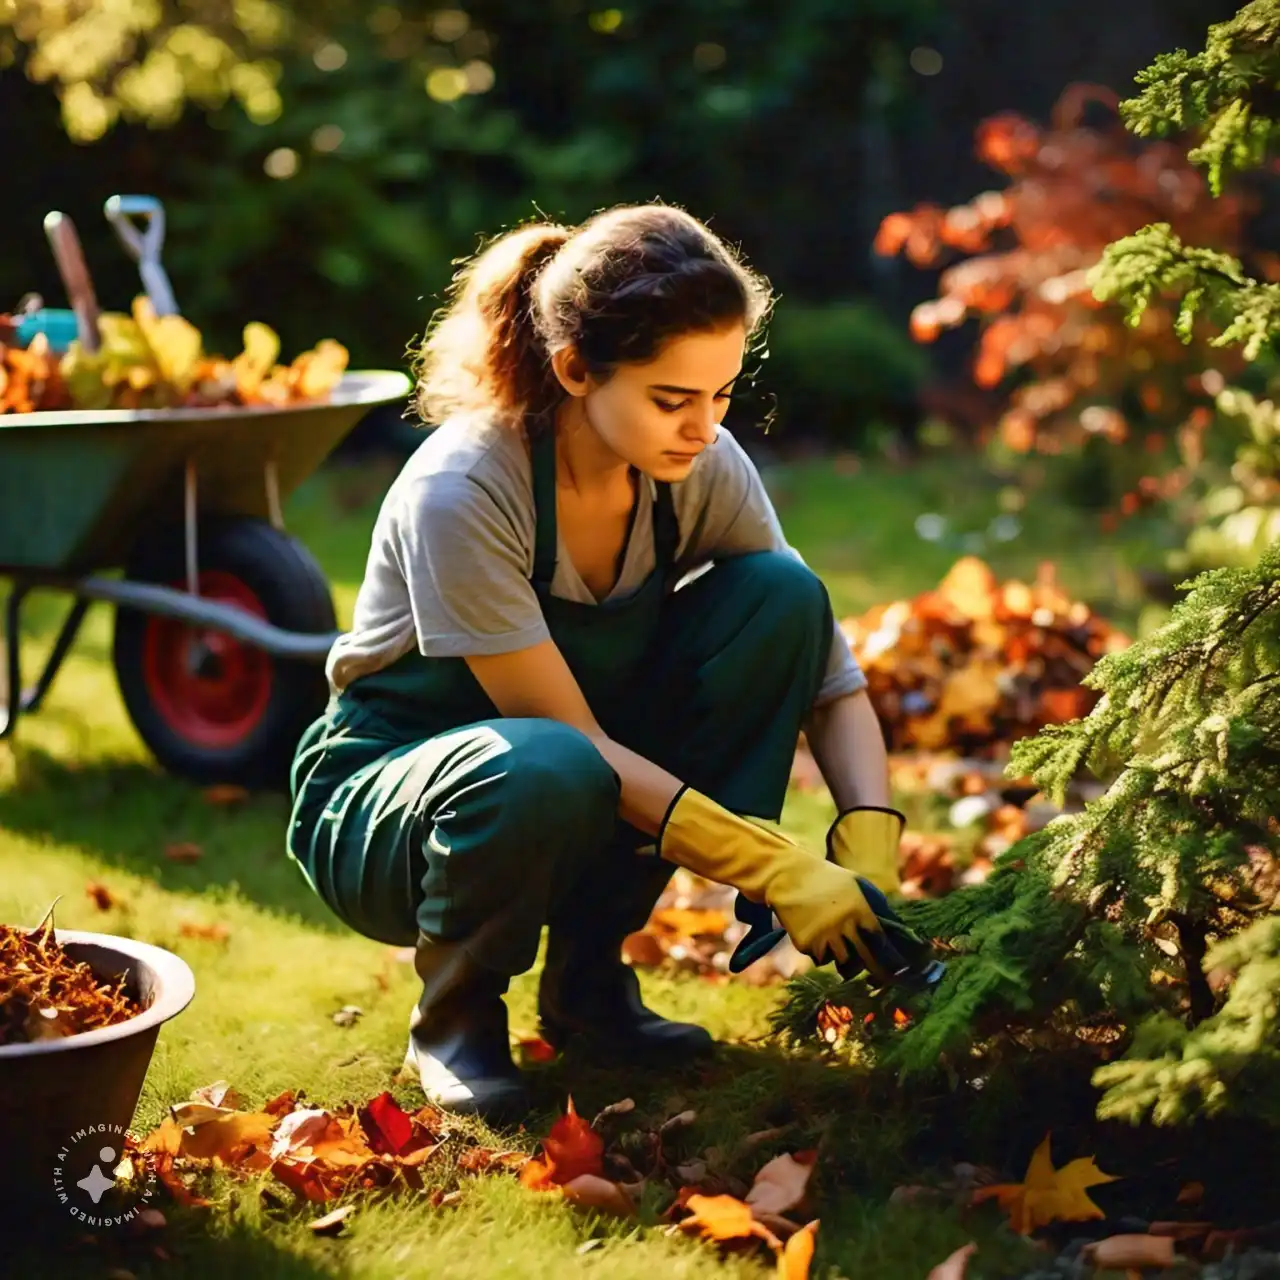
(318, 371)
(1047, 1194)
(251, 366)
(175, 344)
(223, 1136)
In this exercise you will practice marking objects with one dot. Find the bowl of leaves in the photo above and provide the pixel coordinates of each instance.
(79, 1016)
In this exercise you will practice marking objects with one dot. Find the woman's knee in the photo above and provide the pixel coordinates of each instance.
(555, 770)
(785, 588)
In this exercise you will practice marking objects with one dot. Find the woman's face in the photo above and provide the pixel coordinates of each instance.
(659, 415)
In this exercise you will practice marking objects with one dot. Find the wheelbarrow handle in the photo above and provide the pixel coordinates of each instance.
(67, 253)
(144, 245)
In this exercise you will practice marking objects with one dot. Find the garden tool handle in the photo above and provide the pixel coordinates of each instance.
(67, 253)
(144, 245)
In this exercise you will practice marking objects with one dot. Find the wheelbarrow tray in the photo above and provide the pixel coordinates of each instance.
(79, 489)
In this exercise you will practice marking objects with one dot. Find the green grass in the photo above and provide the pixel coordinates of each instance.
(80, 801)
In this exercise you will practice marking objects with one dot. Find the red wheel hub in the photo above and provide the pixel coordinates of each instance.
(210, 688)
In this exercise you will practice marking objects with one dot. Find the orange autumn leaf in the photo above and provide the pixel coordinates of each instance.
(536, 1049)
(571, 1150)
(573, 1147)
(1047, 1194)
(689, 922)
(725, 1218)
(797, 1255)
(537, 1175)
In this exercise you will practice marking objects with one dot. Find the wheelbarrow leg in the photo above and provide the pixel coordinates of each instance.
(17, 699)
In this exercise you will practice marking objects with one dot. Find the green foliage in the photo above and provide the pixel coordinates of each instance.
(1224, 91)
(1239, 517)
(1229, 1059)
(1142, 932)
(837, 368)
(1099, 932)
(1153, 263)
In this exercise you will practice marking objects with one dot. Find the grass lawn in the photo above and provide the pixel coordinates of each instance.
(81, 802)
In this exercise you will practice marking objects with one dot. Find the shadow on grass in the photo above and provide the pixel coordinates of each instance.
(126, 814)
(236, 1247)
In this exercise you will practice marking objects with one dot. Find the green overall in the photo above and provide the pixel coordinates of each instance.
(416, 805)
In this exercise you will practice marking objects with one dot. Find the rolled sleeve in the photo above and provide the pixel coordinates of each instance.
(466, 570)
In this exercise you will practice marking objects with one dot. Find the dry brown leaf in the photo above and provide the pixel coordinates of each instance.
(216, 932)
(217, 1094)
(681, 1120)
(102, 897)
(590, 1191)
(184, 851)
(620, 1108)
(1136, 1251)
(225, 795)
(331, 1223)
(782, 1183)
(955, 1265)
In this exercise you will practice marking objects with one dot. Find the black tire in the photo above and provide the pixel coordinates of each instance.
(190, 722)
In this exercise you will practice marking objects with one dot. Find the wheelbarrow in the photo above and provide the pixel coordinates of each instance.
(223, 620)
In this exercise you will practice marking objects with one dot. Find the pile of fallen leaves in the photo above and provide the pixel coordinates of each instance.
(613, 1165)
(45, 994)
(323, 1154)
(145, 361)
(976, 664)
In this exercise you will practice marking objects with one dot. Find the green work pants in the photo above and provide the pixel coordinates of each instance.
(487, 831)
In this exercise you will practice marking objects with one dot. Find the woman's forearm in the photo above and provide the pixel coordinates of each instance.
(847, 743)
(647, 789)
(844, 736)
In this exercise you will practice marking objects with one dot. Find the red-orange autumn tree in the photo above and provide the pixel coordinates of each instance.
(1017, 260)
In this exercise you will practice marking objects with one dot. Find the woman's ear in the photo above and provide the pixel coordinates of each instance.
(570, 370)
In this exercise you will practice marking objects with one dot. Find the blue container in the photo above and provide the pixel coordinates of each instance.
(59, 326)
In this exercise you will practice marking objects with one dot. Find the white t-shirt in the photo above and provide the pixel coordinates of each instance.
(452, 551)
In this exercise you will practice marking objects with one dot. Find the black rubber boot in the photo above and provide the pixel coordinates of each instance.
(458, 1039)
(588, 994)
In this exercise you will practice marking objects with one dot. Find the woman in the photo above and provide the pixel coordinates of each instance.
(531, 726)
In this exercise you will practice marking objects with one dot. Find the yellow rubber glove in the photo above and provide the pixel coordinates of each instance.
(819, 904)
(865, 841)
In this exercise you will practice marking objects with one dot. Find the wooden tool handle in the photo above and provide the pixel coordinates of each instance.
(65, 243)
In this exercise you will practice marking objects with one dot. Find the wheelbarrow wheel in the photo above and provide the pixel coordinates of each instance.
(212, 708)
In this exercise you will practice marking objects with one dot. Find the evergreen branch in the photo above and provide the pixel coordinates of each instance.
(1153, 264)
(1223, 90)
(1229, 1062)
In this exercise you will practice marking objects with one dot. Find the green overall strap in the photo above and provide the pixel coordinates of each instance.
(544, 501)
(666, 528)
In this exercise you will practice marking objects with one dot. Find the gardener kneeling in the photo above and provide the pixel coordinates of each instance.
(530, 723)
